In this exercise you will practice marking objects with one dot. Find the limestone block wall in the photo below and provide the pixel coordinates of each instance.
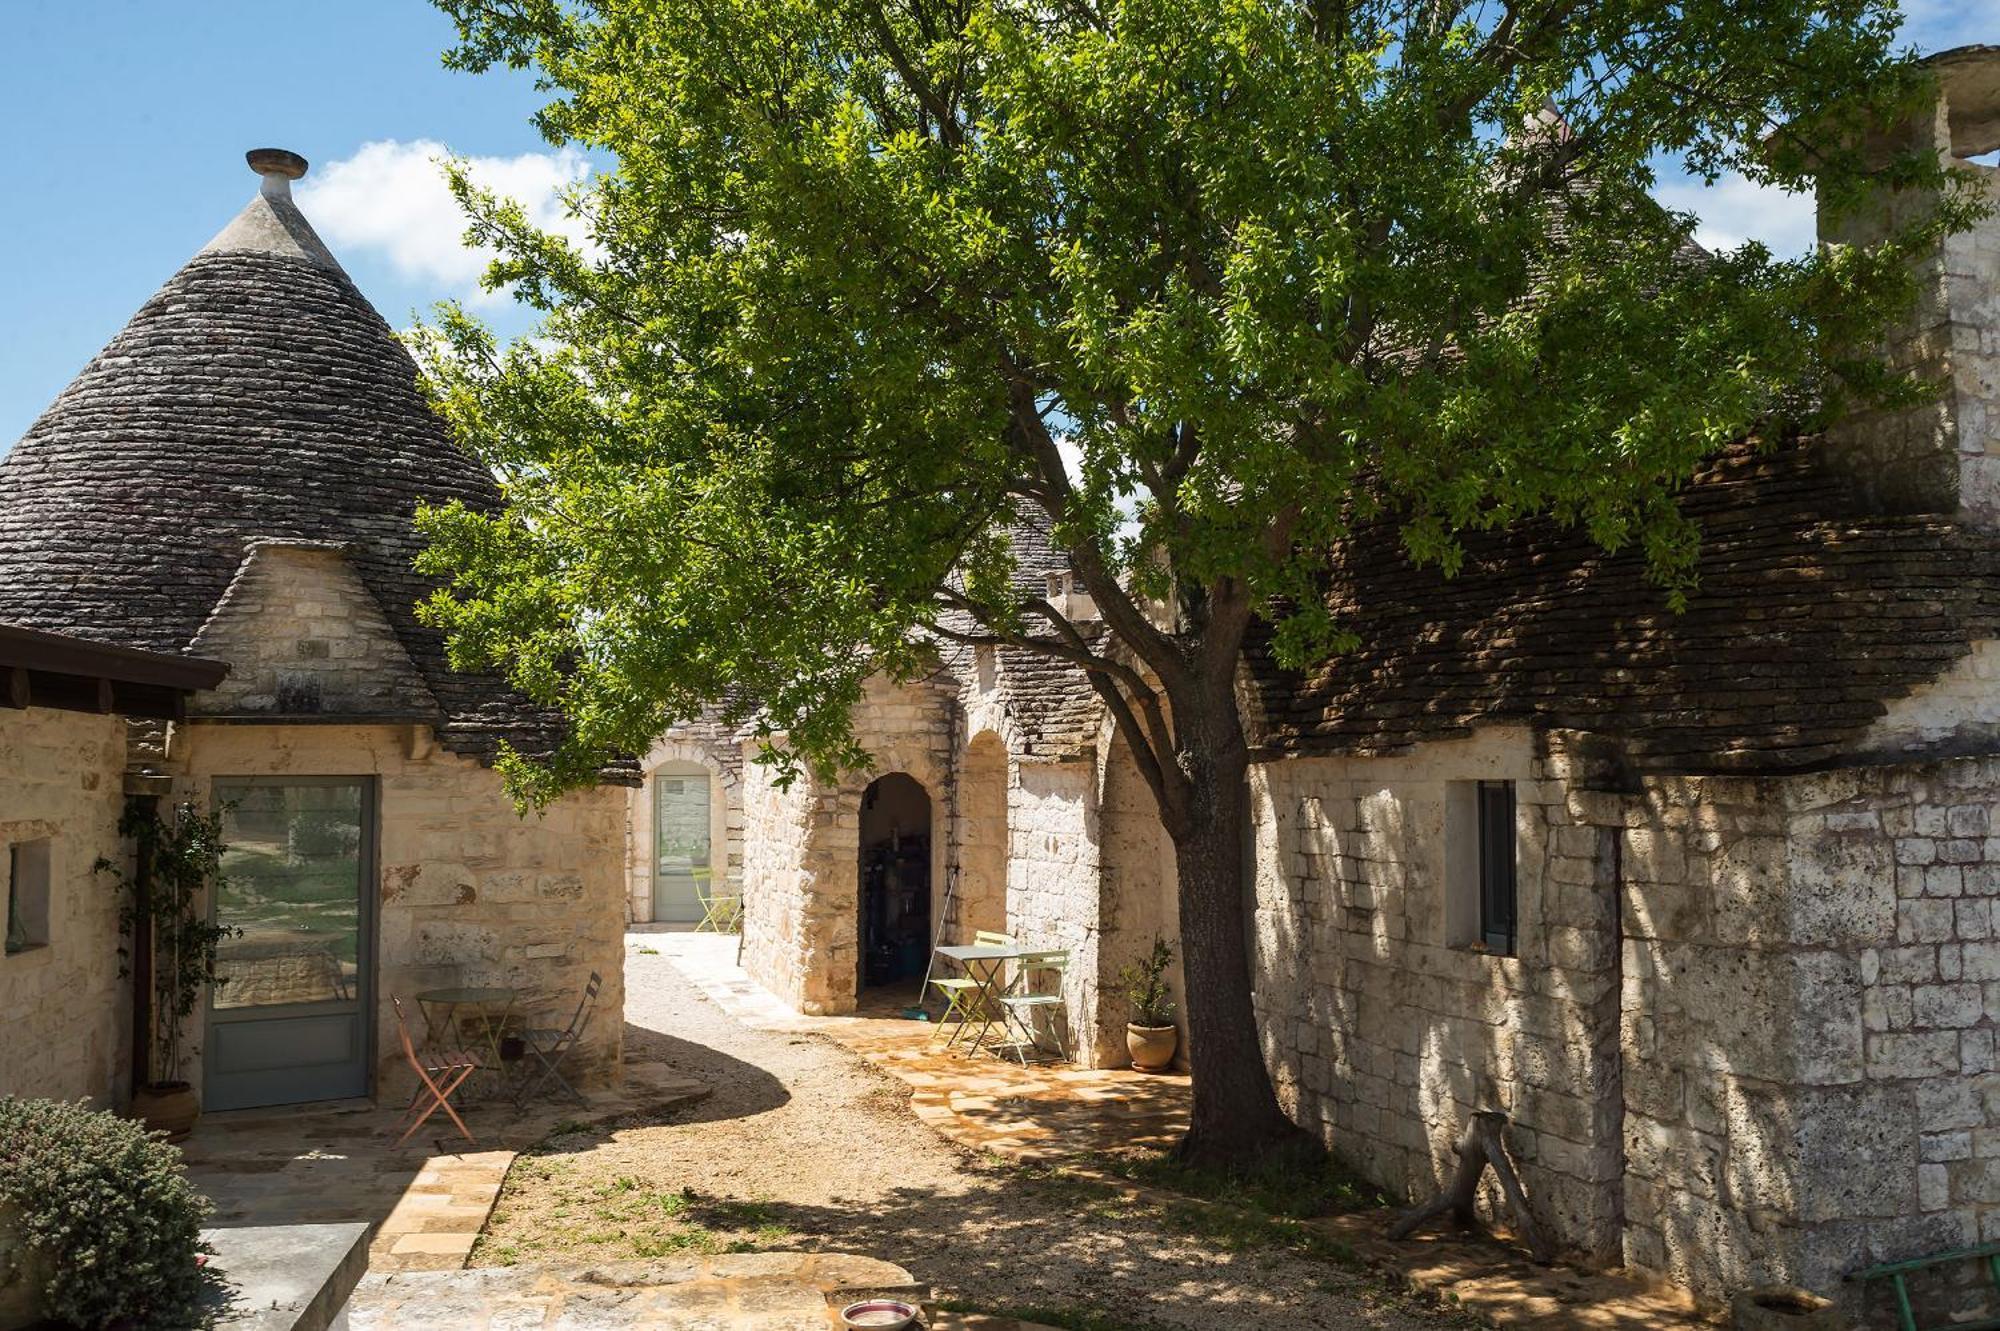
(469, 891)
(1383, 1033)
(979, 840)
(64, 1013)
(1895, 872)
(709, 744)
(1138, 897)
(802, 847)
(1741, 1033)
(1942, 454)
(304, 636)
(1054, 888)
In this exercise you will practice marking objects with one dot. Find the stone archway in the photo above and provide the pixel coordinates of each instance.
(684, 756)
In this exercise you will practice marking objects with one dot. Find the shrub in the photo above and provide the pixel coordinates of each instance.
(112, 1208)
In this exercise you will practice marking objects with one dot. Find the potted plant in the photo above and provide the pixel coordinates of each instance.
(1150, 1036)
(165, 914)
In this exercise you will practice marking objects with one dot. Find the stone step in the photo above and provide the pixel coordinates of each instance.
(285, 1277)
(769, 1291)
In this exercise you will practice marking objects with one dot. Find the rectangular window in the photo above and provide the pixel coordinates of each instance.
(1496, 866)
(27, 895)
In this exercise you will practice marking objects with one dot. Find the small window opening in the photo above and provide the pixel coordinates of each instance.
(1497, 915)
(27, 896)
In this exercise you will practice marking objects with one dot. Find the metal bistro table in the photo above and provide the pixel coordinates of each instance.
(490, 1007)
(985, 965)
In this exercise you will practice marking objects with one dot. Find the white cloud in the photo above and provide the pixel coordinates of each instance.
(1734, 210)
(390, 198)
(1937, 25)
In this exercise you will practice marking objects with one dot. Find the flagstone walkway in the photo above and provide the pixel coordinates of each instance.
(1043, 1113)
(428, 1199)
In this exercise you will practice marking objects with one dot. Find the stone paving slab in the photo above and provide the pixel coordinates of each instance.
(427, 1200)
(778, 1291)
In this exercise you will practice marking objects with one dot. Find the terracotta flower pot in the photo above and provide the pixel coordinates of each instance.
(171, 1108)
(1152, 1047)
(1783, 1308)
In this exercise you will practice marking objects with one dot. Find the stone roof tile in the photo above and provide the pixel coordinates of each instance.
(256, 396)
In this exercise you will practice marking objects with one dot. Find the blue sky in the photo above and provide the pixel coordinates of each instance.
(128, 121)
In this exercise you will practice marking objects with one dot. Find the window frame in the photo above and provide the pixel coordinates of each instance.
(16, 938)
(1498, 869)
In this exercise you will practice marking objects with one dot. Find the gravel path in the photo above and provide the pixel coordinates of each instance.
(804, 1146)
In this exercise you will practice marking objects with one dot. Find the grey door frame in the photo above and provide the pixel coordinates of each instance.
(369, 889)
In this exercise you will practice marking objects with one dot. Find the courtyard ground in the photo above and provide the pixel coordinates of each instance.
(802, 1145)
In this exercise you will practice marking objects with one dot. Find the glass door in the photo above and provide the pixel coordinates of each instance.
(680, 845)
(290, 1021)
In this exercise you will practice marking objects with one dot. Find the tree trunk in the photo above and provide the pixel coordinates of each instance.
(1237, 1120)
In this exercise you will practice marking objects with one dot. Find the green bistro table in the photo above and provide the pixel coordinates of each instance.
(986, 965)
(489, 1009)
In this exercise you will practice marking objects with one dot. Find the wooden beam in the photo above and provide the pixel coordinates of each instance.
(17, 692)
(106, 701)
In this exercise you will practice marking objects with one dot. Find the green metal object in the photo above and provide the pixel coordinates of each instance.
(1894, 1272)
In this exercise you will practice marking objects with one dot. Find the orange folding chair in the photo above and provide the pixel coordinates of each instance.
(438, 1077)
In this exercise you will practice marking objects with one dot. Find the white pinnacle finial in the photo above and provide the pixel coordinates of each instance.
(278, 167)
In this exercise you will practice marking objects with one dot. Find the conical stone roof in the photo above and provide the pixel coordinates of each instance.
(256, 397)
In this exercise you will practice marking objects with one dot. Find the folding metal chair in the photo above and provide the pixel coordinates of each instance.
(550, 1046)
(439, 1075)
(1019, 1007)
(961, 993)
(721, 912)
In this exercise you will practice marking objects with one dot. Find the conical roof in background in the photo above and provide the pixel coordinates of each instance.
(257, 395)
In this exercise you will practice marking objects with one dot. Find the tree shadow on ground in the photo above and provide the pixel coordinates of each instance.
(737, 1089)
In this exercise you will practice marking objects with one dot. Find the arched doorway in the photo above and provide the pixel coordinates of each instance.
(895, 924)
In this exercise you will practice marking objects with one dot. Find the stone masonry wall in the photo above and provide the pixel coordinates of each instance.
(1138, 897)
(64, 1012)
(1383, 1032)
(469, 892)
(303, 636)
(1942, 454)
(1053, 884)
(1897, 873)
(802, 847)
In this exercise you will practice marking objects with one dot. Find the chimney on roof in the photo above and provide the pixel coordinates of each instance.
(1942, 456)
(278, 167)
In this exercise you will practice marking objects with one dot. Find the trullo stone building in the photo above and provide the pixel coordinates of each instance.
(233, 478)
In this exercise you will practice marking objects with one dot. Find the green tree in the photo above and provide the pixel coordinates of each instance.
(1201, 282)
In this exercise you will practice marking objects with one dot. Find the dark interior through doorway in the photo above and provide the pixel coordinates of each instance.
(895, 881)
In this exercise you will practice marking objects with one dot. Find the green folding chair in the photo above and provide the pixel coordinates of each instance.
(1019, 1007)
(721, 912)
(961, 994)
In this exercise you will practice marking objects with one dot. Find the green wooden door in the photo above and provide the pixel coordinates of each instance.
(680, 845)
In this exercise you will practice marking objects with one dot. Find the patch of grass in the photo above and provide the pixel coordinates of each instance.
(1069, 1319)
(1283, 1186)
(1245, 1229)
(649, 952)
